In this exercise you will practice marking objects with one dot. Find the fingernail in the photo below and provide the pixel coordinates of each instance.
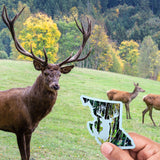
(106, 149)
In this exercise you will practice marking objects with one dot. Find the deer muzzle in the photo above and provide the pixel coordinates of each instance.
(55, 86)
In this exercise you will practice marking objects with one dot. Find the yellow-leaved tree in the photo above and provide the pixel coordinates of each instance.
(101, 54)
(40, 31)
(129, 52)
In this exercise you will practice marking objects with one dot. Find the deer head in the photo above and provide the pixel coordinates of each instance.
(138, 88)
(50, 72)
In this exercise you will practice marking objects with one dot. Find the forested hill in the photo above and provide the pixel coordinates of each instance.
(125, 38)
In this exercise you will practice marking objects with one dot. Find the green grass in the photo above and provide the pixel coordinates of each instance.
(63, 134)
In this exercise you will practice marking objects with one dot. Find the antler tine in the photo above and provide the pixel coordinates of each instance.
(86, 35)
(10, 25)
(3, 17)
(8, 22)
(45, 55)
(81, 59)
(89, 22)
(38, 59)
(65, 61)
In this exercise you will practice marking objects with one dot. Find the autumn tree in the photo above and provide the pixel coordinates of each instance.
(149, 59)
(128, 51)
(40, 31)
(101, 55)
(118, 65)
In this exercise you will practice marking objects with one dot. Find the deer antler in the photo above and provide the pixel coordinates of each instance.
(86, 35)
(10, 25)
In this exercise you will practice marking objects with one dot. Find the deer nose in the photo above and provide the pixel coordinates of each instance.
(56, 87)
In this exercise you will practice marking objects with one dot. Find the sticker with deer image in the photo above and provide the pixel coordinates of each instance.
(107, 123)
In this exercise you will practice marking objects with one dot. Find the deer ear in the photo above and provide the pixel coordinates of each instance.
(66, 69)
(38, 66)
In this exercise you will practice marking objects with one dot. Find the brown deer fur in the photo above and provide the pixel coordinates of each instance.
(21, 109)
(152, 101)
(125, 97)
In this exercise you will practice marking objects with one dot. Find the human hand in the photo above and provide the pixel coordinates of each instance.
(145, 149)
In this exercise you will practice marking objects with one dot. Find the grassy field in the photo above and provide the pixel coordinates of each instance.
(63, 134)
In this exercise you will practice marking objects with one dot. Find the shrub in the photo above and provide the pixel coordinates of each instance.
(3, 55)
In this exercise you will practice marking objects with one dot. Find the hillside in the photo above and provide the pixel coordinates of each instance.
(125, 34)
(63, 133)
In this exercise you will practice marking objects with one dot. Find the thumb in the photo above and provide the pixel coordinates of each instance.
(113, 152)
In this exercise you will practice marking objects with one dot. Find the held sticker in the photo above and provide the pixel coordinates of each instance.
(107, 123)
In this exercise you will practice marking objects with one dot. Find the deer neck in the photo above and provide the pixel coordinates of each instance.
(134, 94)
(39, 89)
(40, 100)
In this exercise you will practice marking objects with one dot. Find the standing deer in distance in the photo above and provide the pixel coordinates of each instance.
(21, 109)
(125, 97)
(152, 101)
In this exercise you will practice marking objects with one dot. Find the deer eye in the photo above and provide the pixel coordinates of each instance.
(46, 73)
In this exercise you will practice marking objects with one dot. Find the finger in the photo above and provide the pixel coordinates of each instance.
(155, 156)
(140, 141)
(148, 151)
(113, 152)
(132, 153)
(145, 147)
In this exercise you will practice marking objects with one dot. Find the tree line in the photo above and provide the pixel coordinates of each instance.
(125, 34)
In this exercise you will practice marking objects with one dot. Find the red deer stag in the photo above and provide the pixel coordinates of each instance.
(21, 109)
(152, 101)
(125, 97)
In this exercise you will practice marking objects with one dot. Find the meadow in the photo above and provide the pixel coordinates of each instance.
(63, 134)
